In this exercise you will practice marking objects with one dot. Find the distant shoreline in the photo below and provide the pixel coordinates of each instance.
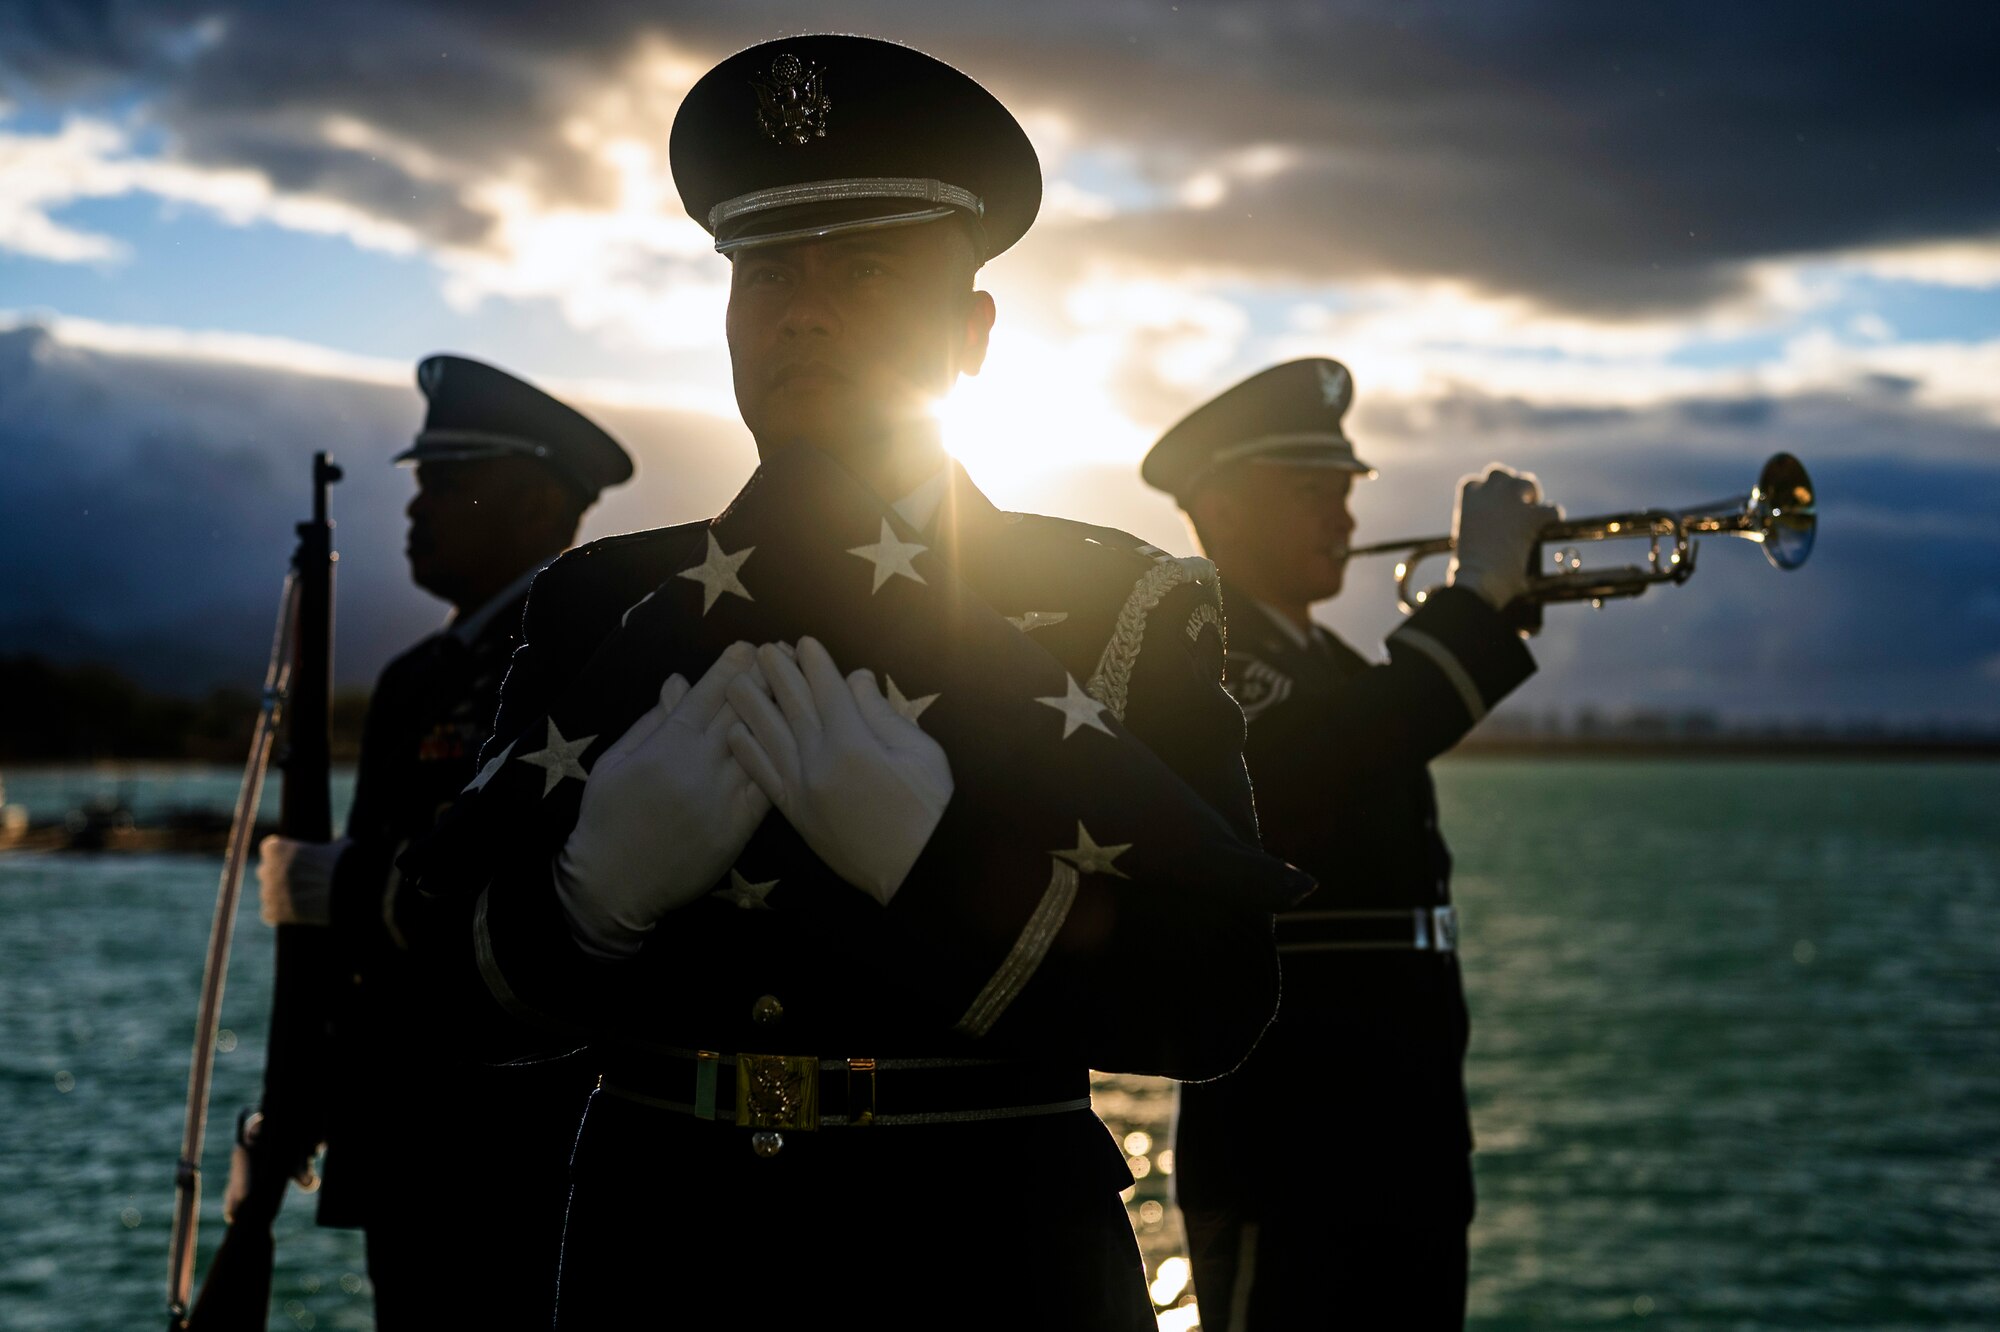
(79, 716)
(1886, 749)
(1901, 749)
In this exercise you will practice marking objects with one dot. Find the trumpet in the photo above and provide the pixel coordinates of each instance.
(1778, 514)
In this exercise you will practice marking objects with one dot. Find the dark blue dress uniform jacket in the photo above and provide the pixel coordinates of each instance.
(421, 1137)
(429, 715)
(1362, 1070)
(1159, 961)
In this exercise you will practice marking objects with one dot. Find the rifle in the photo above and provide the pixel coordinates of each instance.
(298, 686)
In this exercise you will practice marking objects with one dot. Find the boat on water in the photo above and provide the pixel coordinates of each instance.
(107, 824)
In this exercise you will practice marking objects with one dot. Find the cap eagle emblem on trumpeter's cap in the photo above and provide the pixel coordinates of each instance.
(1289, 414)
(819, 135)
(1336, 387)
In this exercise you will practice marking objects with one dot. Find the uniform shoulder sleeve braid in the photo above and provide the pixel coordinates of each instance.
(1466, 641)
(1111, 683)
(1177, 705)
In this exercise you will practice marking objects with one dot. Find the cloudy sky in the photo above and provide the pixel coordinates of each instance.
(1636, 248)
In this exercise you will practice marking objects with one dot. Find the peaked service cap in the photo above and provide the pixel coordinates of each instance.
(1287, 414)
(816, 135)
(480, 411)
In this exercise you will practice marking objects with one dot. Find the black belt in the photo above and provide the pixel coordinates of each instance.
(769, 1091)
(1404, 929)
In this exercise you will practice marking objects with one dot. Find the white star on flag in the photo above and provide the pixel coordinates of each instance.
(909, 708)
(486, 773)
(1029, 621)
(558, 759)
(1090, 858)
(1078, 709)
(717, 574)
(745, 894)
(890, 557)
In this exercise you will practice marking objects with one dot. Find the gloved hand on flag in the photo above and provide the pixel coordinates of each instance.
(665, 813)
(860, 781)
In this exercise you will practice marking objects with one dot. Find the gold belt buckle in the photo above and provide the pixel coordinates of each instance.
(777, 1091)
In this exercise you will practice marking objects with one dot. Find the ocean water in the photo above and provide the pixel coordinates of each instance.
(1735, 1061)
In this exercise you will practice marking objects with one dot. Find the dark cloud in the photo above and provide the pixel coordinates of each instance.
(146, 506)
(1619, 159)
(435, 209)
(1883, 621)
(67, 47)
(481, 90)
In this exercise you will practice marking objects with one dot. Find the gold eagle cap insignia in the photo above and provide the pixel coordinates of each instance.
(1334, 385)
(792, 105)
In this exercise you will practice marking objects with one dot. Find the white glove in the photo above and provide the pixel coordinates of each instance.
(1494, 528)
(665, 813)
(295, 880)
(859, 781)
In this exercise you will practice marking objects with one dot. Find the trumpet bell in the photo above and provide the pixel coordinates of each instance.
(1782, 512)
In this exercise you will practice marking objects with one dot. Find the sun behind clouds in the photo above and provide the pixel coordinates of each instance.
(1039, 408)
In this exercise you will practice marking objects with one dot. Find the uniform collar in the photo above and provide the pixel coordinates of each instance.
(467, 628)
(1317, 639)
(950, 512)
(1297, 637)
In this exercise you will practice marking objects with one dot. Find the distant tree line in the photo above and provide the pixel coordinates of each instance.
(1644, 733)
(59, 713)
(55, 713)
